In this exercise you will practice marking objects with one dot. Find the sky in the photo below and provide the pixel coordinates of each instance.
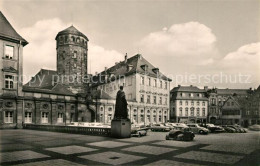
(194, 42)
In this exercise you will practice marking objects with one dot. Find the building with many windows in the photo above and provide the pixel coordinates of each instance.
(11, 65)
(46, 98)
(145, 87)
(188, 104)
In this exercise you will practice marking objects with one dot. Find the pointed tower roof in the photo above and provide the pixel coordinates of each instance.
(71, 30)
(7, 32)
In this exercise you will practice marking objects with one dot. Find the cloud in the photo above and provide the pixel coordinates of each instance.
(180, 40)
(41, 50)
(245, 59)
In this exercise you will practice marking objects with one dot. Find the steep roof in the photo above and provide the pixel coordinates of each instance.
(8, 32)
(43, 82)
(134, 64)
(187, 89)
(71, 30)
(236, 105)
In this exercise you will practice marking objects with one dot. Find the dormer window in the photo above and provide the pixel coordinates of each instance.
(144, 67)
(156, 70)
(9, 52)
(129, 67)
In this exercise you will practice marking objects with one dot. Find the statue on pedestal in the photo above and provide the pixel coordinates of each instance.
(121, 105)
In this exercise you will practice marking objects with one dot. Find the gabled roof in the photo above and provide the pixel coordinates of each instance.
(132, 65)
(43, 82)
(236, 105)
(71, 30)
(8, 32)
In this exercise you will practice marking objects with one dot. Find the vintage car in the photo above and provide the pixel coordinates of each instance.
(195, 128)
(214, 129)
(183, 134)
(254, 127)
(138, 131)
(159, 127)
(229, 129)
(238, 128)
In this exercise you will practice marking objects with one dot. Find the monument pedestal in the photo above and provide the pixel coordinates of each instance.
(121, 128)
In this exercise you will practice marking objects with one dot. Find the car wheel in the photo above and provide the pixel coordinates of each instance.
(201, 132)
(139, 134)
(167, 138)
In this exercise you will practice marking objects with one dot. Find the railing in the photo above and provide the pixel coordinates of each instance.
(71, 129)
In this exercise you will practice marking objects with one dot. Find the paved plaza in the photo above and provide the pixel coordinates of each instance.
(31, 148)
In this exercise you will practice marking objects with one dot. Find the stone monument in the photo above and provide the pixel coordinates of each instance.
(121, 125)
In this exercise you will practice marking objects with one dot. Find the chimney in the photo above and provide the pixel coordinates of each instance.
(105, 69)
(206, 88)
(96, 73)
(125, 57)
(116, 63)
(190, 85)
(179, 85)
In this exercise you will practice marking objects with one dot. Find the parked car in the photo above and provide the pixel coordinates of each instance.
(243, 130)
(159, 127)
(237, 128)
(229, 129)
(138, 130)
(183, 134)
(214, 129)
(168, 125)
(254, 127)
(195, 128)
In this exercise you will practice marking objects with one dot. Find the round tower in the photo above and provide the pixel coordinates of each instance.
(72, 58)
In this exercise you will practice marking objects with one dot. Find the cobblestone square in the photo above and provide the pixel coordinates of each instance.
(71, 149)
(20, 155)
(223, 148)
(55, 162)
(109, 144)
(149, 149)
(211, 157)
(113, 158)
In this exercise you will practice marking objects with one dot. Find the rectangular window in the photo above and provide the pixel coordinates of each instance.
(160, 118)
(109, 118)
(75, 54)
(160, 84)
(28, 117)
(148, 99)
(142, 118)
(44, 118)
(135, 118)
(166, 101)
(72, 117)
(155, 83)
(60, 118)
(9, 82)
(149, 81)
(9, 52)
(165, 85)
(180, 102)
(160, 100)
(101, 117)
(142, 80)
(154, 118)
(8, 117)
(142, 98)
(154, 99)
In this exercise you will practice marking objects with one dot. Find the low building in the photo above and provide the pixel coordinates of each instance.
(188, 104)
(146, 89)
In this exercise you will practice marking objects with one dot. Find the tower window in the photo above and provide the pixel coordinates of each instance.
(75, 54)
